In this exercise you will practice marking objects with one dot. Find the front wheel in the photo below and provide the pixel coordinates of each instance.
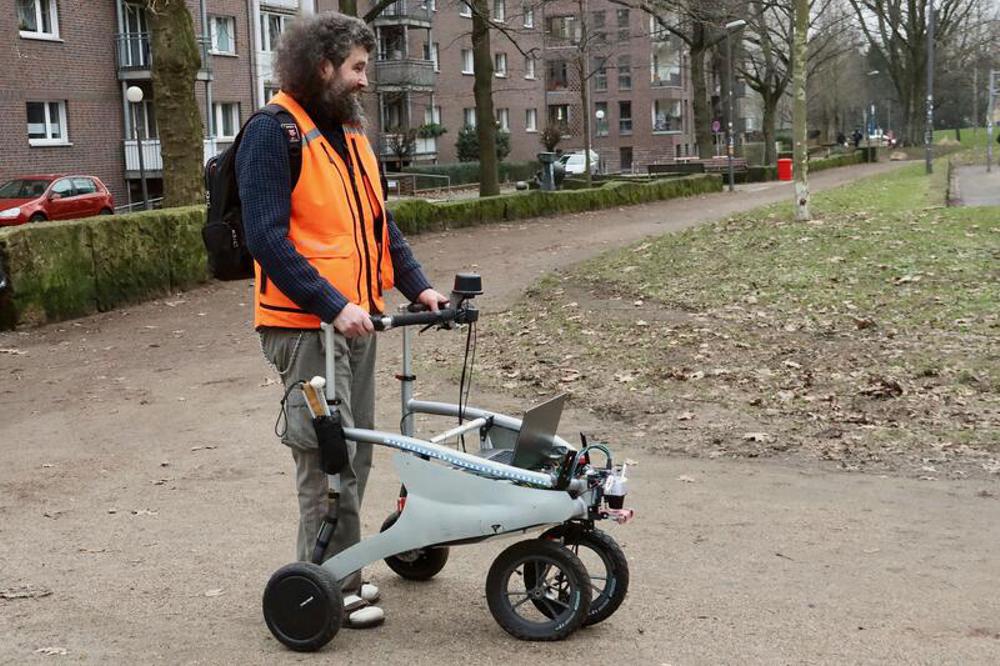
(416, 564)
(37, 217)
(605, 561)
(540, 572)
(303, 606)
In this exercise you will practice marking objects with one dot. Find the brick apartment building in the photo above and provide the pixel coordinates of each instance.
(63, 105)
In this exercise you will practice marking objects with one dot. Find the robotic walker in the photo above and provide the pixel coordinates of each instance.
(523, 478)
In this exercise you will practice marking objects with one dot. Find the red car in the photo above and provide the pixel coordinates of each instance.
(53, 197)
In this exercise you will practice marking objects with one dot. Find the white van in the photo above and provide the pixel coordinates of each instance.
(576, 163)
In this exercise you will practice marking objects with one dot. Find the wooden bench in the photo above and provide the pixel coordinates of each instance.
(721, 164)
(676, 167)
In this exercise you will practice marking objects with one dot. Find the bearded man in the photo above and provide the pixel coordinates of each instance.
(325, 250)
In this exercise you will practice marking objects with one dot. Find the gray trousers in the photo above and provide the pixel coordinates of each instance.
(299, 355)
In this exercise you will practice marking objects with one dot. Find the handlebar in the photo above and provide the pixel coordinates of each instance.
(420, 316)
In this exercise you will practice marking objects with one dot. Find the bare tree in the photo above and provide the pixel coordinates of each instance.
(800, 110)
(176, 60)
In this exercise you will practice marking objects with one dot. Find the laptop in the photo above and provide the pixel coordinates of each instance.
(535, 440)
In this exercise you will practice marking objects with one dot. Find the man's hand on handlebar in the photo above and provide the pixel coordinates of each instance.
(353, 322)
(432, 299)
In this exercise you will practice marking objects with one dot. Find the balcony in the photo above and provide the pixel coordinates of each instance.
(405, 74)
(406, 12)
(153, 160)
(134, 57)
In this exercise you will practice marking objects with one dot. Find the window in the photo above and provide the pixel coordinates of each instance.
(667, 115)
(63, 187)
(47, 124)
(563, 28)
(84, 186)
(432, 115)
(625, 158)
(469, 117)
(143, 115)
(624, 117)
(38, 19)
(556, 75)
(223, 33)
(500, 65)
(601, 116)
(529, 67)
(467, 66)
(531, 120)
(656, 30)
(600, 69)
(134, 53)
(624, 72)
(529, 17)
(432, 52)
(227, 120)
(503, 119)
(464, 10)
(597, 21)
(623, 31)
(665, 64)
(270, 90)
(559, 114)
(271, 27)
(499, 10)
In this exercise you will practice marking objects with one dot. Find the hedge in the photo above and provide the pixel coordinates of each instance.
(60, 270)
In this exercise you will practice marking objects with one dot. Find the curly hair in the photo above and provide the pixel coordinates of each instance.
(311, 39)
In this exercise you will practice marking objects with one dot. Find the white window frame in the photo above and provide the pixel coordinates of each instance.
(530, 64)
(500, 65)
(468, 61)
(469, 113)
(141, 112)
(62, 140)
(435, 54)
(503, 119)
(531, 120)
(464, 9)
(265, 33)
(529, 17)
(432, 114)
(217, 113)
(53, 36)
(213, 31)
(501, 15)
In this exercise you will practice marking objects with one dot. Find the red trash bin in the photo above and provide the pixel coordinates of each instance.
(784, 169)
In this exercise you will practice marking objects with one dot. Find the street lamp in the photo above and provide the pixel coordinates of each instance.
(134, 95)
(599, 114)
(866, 118)
(730, 28)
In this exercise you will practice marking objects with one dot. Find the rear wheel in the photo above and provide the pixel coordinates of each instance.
(303, 606)
(107, 211)
(605, 561)
(416, 564)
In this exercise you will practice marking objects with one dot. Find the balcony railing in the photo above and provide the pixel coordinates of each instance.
(406, 11)
(405, 73)
(134, 54)
(153, 160)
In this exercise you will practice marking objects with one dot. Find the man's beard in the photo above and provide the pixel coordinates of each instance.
(337, 104)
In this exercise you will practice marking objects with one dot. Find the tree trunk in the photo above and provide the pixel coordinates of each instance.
(799, 111)
(176, 61)
(349, 7)
(770, 121)
(486, 126)
(699, 99)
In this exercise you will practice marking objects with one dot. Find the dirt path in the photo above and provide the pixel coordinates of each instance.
(144, 499)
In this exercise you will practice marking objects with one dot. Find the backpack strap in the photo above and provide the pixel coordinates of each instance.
(293, 135)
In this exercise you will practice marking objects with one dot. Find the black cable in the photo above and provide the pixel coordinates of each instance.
(461, 382)
(282, 411)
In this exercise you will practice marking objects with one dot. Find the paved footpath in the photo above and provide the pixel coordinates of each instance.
(144, 498)
(977, 187)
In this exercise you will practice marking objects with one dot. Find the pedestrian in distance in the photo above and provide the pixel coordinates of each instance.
(326, 249)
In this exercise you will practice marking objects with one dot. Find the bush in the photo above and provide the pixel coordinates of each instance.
(467, 144)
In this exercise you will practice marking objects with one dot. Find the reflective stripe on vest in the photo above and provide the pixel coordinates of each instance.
(335, 207)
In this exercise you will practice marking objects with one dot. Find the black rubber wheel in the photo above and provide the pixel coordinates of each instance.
(303, 606)
(606, 563)
(416, 564)
(538, 571)
(37, 217)
(107, 211)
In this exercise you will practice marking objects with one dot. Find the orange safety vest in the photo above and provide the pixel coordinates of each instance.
(332, 224)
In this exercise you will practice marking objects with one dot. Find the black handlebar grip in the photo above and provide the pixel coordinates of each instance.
(383, 322)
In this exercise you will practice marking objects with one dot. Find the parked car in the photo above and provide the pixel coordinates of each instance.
(53, 197)
(576, 163)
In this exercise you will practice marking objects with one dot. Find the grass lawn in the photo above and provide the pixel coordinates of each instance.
(868, 336)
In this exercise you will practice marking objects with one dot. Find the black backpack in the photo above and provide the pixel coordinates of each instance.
(225, 241)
